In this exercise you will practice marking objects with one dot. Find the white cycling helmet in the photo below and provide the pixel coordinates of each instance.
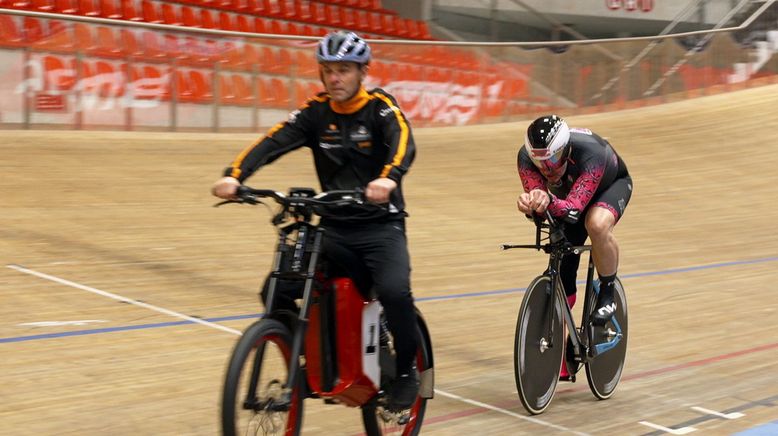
(343, 47)
(547, 142)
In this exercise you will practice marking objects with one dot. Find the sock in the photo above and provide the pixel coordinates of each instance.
(571, 300)
(607, 288)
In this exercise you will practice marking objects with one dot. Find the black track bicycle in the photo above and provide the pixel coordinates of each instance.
(539, 346)
(335, 346)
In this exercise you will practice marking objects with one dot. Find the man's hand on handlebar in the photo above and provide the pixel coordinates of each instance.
(226, 188)
(379, 189)
(534, 201)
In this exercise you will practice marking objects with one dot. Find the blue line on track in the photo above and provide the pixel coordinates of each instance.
(442, 297)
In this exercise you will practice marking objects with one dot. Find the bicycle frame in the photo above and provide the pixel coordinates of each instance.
(338, 364)
(557, 248)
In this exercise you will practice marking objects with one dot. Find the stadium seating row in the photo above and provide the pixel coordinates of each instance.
(108, 41)
(300, 17)
(107, 79)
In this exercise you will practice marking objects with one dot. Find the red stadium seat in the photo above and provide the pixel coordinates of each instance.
(241, 6)
(306, 64)
(424, 30)
(206, 19)
(261, 25)
(318, 12)
(413, 28)
(387, 24)
(227, 21)
(302, 11)
(234, 90)
(332, 15)
(400, 27)
(111, 9)
(46, 34)
(107, 42)
(284, 60)
(279, 27)
(171, 14)
(251, 55)
(300, 92)
(83, 37)
(131, 11)
(153, 45)
(294, 29)
(223, 4)
(242, 90)
(226, 91)
(271, 8)
(256, 7)
(61, 35)
(232, 54)
(129, 43)
(33, 30)
(286, 9)
(89, 8)
(151, 12)
(189, 17)
(38, 5)
(10, 36)
(347, 20)
(244, 24)
(265, 95)
(361, 21)
(66, 6)
(21, 4)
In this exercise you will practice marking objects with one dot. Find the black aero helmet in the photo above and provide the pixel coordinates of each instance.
(343, 47)
(547, 141)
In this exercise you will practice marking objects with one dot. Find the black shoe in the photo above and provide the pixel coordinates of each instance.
(605, 310)
(404, 391)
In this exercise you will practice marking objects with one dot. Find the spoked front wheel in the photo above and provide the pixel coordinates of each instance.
(254, 400)
(610, 342)
(378, 420)
(539, 346)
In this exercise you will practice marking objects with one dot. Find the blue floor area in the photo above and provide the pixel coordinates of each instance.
(770, 429)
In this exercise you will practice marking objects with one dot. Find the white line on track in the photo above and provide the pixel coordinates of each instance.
(122, 299)
(238, 332)
(508, 412)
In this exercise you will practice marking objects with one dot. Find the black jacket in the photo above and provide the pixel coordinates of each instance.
(353, 143)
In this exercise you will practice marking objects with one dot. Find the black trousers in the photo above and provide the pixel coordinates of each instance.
(375, 255)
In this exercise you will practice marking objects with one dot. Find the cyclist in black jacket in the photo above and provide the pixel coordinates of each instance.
(359, 139)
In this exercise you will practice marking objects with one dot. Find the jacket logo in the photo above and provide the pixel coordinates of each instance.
(293, 116)
(360, 135)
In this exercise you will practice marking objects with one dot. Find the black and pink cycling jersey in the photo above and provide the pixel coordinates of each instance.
(592, 168)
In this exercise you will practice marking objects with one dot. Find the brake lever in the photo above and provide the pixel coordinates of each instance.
(248, 199)
(222, 203)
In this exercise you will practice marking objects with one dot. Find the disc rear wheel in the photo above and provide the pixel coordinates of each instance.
(604, 371)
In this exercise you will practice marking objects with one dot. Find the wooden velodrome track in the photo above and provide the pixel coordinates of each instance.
(108, 239)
